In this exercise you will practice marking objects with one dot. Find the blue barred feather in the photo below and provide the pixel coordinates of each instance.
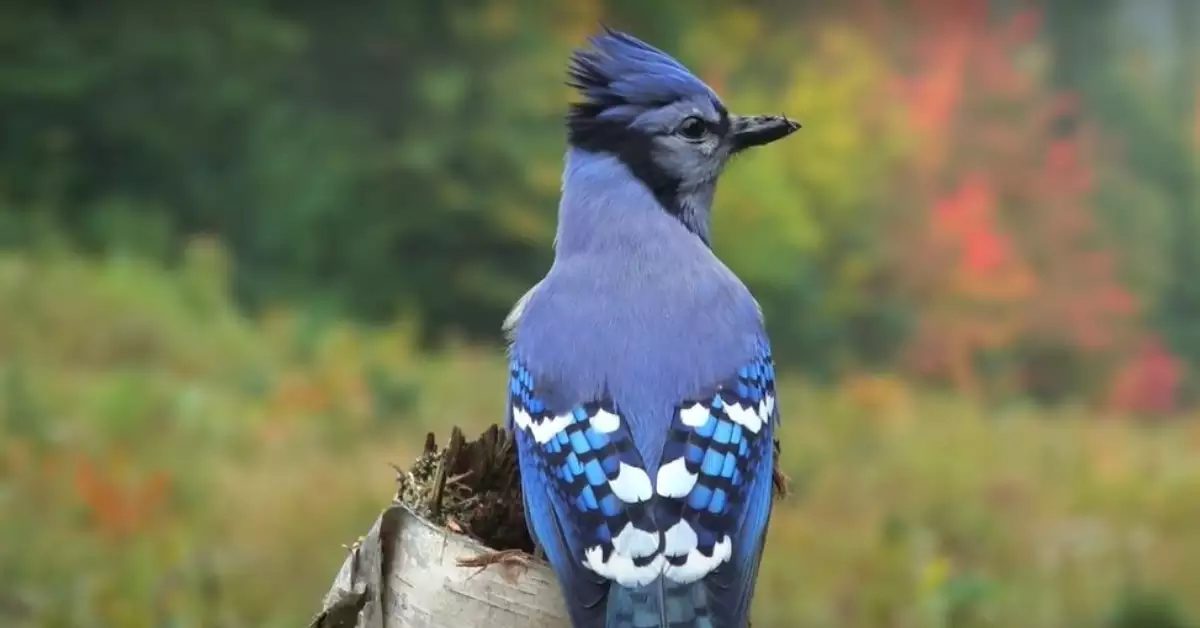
(687, 533)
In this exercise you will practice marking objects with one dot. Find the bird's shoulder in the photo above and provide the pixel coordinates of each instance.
(643, 289)
(647, 340)
(514, 315)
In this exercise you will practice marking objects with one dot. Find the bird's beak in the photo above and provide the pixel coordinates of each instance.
(750, 131)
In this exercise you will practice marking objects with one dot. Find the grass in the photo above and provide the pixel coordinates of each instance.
(167, 462)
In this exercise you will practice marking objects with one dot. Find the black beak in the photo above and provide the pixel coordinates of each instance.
(751, 131)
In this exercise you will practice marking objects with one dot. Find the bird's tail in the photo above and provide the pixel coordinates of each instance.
(660, 604)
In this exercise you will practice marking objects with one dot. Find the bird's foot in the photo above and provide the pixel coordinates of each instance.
(506, 558)
(782, 483)
(510, 560)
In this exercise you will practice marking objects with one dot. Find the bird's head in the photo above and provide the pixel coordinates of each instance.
(667, 126)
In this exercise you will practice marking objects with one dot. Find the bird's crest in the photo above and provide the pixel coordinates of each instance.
(620, 76)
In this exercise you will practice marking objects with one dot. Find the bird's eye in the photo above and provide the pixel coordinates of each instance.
(693, 129)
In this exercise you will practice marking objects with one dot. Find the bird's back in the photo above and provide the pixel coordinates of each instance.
(652, 320)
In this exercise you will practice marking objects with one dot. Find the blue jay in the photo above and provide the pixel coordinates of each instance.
(642, 387)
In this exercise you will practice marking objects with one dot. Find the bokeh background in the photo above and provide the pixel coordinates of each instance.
(251, 251)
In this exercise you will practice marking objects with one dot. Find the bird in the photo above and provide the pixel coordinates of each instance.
(641, 389)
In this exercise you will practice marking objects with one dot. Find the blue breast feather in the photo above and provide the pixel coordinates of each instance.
(601, 518)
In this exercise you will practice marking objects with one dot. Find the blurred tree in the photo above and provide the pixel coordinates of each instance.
(1129, 63)
(1010, 267)
(1179, 308)
(402, 159)
(373, 161)
(800, 224)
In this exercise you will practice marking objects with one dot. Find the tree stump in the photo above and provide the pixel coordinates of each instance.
(405, 574)
(452, 549)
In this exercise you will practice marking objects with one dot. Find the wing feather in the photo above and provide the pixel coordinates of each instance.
(700, 521)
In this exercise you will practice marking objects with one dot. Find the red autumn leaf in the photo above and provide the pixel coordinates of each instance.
(1010, 253)
(1149, 381)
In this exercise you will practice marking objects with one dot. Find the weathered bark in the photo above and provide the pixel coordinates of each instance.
(405, 573)
(450, 551)
(421, 565)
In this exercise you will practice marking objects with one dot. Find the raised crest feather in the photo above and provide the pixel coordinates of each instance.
(619, 76)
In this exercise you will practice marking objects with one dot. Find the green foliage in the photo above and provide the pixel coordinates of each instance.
(375, 160)
(800, 229)
(1144, 609)
(404, 159)
(203, 471)
(133, 404)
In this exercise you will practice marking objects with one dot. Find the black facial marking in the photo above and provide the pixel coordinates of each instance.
(723, 123)
(587, 131)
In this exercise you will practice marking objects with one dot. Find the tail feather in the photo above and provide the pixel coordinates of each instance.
(660, 604)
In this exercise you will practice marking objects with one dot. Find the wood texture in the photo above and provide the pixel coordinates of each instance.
(405, 573)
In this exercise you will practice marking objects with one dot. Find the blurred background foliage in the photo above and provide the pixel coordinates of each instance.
(250, 251)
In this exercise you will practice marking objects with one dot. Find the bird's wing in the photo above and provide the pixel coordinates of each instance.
(587, 495)
(693, 532)
(715, 488)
